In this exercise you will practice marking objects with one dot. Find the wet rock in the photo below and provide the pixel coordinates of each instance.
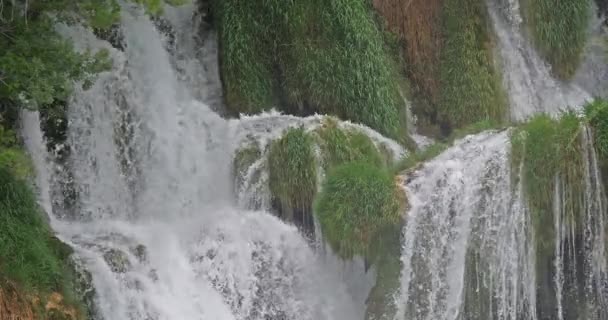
(117, 260)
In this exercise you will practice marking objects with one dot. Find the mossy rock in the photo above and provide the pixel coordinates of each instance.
(309, 56)
(244, 158)
(117, 260)
(356, 202)
(559, 31)
(293, 176)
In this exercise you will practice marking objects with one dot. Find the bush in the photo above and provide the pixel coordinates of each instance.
(559, 30)
(356, 202)
(471, 87)
(309, 56)
(293, 172)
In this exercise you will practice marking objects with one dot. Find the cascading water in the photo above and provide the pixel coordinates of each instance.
(469, 242)
(154, 220)
(465, 242)
(526, 77)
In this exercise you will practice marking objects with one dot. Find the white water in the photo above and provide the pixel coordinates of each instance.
(156, 223)
(527, 78)
(462, 206)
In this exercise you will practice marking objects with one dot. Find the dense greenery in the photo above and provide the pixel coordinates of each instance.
(37, 259)
(306, 56)
(293, 172)
(470, 85)
(357, 200)
(559, 30)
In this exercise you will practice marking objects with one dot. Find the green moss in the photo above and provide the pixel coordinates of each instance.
(314, 56)
(549, 149)
(339, 146)
(471, 89)
(11, 157)
(559, 30)
(356, 202)
(293, 171)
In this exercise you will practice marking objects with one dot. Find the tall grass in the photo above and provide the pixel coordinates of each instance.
(324, 56)
(559, 31)
(470, 84)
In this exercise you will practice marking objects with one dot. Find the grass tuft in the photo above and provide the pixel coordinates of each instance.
(357, 201)
(293, 172)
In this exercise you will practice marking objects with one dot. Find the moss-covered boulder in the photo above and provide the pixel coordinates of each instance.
(357, 200)
(309, 56)
(559, 31)
(292, 170)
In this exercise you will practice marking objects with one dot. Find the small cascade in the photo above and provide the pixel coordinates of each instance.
(466, 247)
(530, 86)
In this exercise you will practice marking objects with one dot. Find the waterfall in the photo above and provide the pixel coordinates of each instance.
(154, 219)
(466, 245)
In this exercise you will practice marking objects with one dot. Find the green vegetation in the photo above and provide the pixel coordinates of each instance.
(307, 56)
(470, 85)
(597, 117)
(357, 201)
(339, 146)
(550, 151)
(559, 30)
(293, 172)
(37, 260)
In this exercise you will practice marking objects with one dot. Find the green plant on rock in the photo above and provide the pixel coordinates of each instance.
(356, 202)
(559, 30)
(340, 146)
(471, 87)
(551, 153)
(293, 173)
(309, 56)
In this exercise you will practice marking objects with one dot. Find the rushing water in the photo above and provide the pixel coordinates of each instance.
(154, 218)
(143, 191)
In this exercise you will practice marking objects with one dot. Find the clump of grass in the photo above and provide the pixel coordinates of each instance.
(340, 146)
(309, 56)
(357, 201)
(550, 149)
(559, 30)
(293, 172)
(471, 89)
